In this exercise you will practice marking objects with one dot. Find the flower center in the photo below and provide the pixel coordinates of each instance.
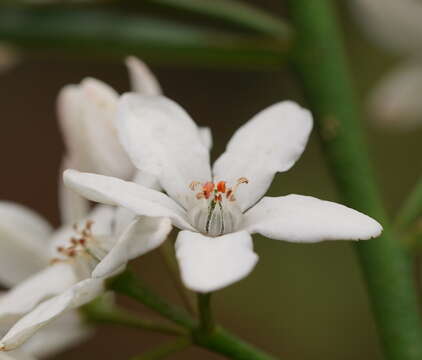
(83, 250)
(215, 211)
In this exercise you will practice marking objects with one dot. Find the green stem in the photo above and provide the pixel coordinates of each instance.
(321, 63)
(165, 350)
(411, 209)
(206, 320)
(127, 284)
(219, 340)
(97, 313)
(233, 12)
(167, 253)
(119, 34)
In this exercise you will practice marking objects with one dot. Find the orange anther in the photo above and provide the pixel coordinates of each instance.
(208, 188)
(221, 186)
(217, 198)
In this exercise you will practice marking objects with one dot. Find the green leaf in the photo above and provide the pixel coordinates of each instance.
(115, 33)
(233, 12)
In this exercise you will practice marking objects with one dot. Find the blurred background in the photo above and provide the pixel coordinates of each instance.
(302, 301)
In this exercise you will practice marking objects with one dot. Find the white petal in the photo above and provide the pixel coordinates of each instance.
(70, 109)
(24, 297)
(147, 180)
(73, 207)
(67, 331)
(137, 198)
(143, 234)
(142, 79)
(211, 263)
(206, 136)
(78, 295)
(395, 102)
(164, 141)
(393, 24)
(298, 218)
(24, 235)
(107, 155)
(269, 143)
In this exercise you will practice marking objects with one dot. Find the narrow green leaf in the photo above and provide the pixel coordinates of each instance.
(112, 33)
(234, 12)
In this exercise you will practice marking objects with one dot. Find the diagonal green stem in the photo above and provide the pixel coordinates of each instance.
(233, 12)
(119, 34)
(321, 63)
(219, 340)
(99, 313)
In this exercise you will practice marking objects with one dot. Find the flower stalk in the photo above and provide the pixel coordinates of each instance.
(207, 324)
(219, 340)
(99, 312)
(321, 63)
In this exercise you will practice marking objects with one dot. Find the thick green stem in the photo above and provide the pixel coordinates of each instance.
(115, 33)
(411, 209)
(320, 61)
(206, 320)
(165, 350)
(219, 340)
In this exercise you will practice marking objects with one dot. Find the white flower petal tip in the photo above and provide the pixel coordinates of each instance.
(272, 141)
(142, 236)
(40, 286)
(135, 197)
(208, 264)
(142, 79)
(78, 295)
(299, 218)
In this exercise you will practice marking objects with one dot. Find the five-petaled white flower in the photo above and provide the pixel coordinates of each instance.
(218, 210)
(75, 253)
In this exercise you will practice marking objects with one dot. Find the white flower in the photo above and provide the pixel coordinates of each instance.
(86, 115)
(395, 25)
(75, 252)
(23, 240)
(218, 210)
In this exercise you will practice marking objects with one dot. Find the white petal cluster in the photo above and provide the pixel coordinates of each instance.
(52, 273)
(146, 161)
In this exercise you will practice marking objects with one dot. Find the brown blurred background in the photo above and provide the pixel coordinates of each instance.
(302, 301)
